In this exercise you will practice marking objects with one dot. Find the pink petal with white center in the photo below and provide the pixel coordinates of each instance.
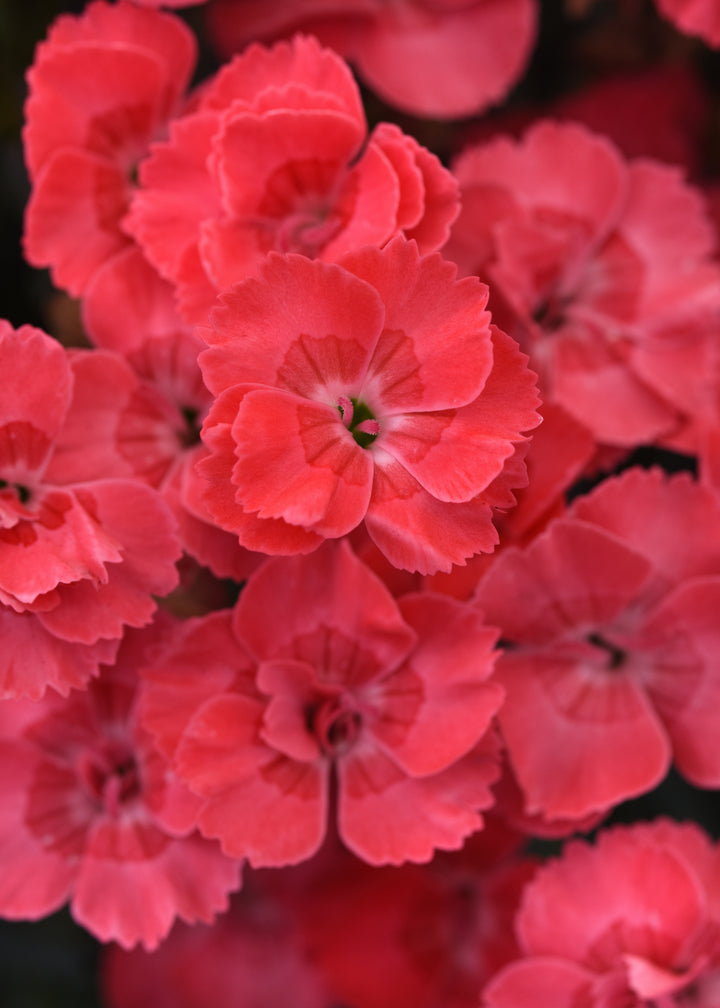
(600, 741)
(345, 623)
(449, 670)
(683, 682)
(72, 220)
(386, 817)
(297, 462)
(34, 402)
(456, 455)
(435, 350)
(316, 340)
(135, 517)
(539, 980)
(417, 532)
(261, 804)
(123, 870)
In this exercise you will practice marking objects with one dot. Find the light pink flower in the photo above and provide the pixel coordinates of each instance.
(580, 250)
(374, 391)
(79, 559)
(319, 671)
(86, 130)
(611, 667)
(92, 815)
(276, 157)
(630, 922)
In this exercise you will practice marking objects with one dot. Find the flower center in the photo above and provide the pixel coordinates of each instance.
(359, 420)
(335, 727)
(22, 492)
(616, 656)
(109, 774)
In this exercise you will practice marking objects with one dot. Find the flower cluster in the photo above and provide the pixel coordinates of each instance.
(331, 558)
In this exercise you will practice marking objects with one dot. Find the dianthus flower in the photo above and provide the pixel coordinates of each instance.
(86, 130)
(610, 620)
(375, 391)
(479, 47)
(580, 250)
(630, 922)
(93, 816)
(318, 670)
(79, 559)
(139, 415)
(275, 156)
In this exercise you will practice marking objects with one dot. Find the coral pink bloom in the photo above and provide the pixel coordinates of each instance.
(696, 17)
(375, 391)
(319, 670)
(140, 417)
(580, 250)
(628, 923)
(276, 156)
(479, 47)
(86, 131)
(613, 645)
(91, 814)
(79, 558)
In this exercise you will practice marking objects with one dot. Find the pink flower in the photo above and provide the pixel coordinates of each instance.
(79, 559)
(318, 671)
(479, 47)
(85, 131)
(276, 157)
(139, 417)
(580, 251)
(91, 814)
(611, 668)
(696, 17)
(632, 921)
(374, 391)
